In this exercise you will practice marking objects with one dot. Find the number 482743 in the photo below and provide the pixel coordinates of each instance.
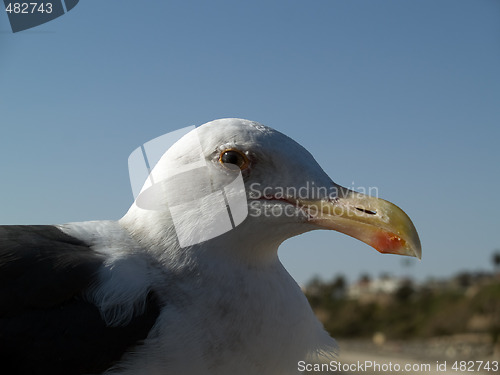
(25, 8)
(463, 366)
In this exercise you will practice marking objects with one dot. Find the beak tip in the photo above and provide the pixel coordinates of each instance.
(418, 252)
(414, 251)
(417, 246)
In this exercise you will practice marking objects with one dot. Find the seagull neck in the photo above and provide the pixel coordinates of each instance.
(244, 244)
(248, 251)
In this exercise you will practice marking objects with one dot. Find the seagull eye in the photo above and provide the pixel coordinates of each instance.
(234, 157)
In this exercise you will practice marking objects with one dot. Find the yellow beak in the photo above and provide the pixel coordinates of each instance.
(375, 221)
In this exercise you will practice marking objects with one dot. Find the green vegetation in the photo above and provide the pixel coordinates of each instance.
(465, 304)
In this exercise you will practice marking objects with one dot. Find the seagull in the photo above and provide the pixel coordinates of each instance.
(165, 291)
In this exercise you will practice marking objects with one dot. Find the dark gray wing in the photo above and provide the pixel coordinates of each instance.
(46, 327)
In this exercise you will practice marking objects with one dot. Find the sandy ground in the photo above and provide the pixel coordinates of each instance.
(380, 364)
(359, 360)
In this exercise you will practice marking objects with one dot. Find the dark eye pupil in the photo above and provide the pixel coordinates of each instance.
(232, 157)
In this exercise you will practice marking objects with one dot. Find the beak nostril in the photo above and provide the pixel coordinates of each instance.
(369, 212)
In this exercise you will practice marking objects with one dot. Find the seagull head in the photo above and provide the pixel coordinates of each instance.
(239, 182)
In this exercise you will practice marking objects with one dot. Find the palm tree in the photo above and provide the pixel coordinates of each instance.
(496, 260)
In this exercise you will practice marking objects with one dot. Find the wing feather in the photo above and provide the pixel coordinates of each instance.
(46, 326)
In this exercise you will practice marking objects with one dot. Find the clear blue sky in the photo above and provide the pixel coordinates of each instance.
(399, 95)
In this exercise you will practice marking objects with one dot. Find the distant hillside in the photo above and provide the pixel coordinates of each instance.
(398, 309)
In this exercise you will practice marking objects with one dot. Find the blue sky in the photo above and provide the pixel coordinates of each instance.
(399, 95)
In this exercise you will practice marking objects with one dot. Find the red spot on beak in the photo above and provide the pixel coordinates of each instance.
(386, 242)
